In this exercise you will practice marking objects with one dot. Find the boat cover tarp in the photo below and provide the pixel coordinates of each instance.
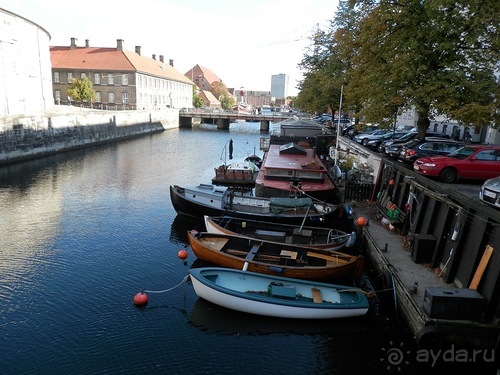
(278, 204)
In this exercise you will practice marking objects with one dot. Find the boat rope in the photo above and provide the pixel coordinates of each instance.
(168, 290)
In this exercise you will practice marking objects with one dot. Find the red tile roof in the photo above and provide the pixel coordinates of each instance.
(110, 59)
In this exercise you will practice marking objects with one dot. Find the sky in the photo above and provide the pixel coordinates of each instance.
(243, 42)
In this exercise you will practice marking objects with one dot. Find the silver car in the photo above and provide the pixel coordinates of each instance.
(490, 192)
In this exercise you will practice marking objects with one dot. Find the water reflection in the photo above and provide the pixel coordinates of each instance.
(209, 317)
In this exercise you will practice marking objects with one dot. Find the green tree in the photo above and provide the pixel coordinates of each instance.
(81, 90)
(197, 101)
(436, 56)
(227, 101)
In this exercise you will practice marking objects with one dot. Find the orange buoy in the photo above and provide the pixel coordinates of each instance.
(182, 254)
(141, 298)
(361, 221)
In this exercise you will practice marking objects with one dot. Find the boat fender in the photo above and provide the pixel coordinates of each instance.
(352, 240)
(276, 269)
(141, 299)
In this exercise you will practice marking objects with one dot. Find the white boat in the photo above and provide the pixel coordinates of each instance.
(323, 238)
(276, 296)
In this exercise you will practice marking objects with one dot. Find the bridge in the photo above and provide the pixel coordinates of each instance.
(222, 118)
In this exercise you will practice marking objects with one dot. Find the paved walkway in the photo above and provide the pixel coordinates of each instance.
(399, 254)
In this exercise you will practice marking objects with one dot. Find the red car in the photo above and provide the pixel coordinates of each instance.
(468, 162)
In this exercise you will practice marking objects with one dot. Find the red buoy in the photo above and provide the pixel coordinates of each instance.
(182, 254)
(141, 298)
(361, 221)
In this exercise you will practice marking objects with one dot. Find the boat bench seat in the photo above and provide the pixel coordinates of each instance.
(316, 295)
(253, 251)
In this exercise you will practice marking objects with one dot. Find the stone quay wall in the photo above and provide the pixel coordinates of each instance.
(67, 128)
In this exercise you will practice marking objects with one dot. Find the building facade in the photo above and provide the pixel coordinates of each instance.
(122, 79)
(279, 86)
(25, 75)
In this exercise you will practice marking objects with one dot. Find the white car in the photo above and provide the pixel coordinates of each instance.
(490, 192)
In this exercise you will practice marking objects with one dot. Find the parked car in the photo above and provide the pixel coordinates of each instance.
(468, 162)
(384, 146)
(360, 137)
(358, 129)
(490, 192)
(374, 141)
(428, 146)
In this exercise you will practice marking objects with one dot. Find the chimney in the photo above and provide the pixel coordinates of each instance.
(87, 43)
(154, 56)
(73, 43)
(161, 58)
(119, 44)
(171, 62)
(138, 50)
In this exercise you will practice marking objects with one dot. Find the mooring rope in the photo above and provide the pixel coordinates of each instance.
(167, 290)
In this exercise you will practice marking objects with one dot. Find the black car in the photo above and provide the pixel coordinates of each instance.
(392, 147)
(373, 142)
(428, 146)
(384, 145)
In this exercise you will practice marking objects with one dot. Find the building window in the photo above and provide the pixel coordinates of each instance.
(58, 97)
(70, 77)
(56, 77)
(98, 96)
(125, 98)
(124, 79)
(83, 75)
(110, 79)
(97, 79)
(111, 97)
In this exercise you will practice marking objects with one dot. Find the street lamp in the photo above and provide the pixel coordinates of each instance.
(338, 128)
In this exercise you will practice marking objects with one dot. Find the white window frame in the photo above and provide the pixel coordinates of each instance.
(56, 77)
(124, 79)
(124, 98)
(97, 79)
(110, 79)
(111, 97)
(70, 77)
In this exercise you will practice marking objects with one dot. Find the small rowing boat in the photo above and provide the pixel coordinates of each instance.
(273, 258)
(306, 236)
(276, 296)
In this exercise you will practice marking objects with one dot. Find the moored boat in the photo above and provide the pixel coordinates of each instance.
(241, 174)
(215, 200)
(276, 296)
(273, 258)
(292, 170)
(311, 237)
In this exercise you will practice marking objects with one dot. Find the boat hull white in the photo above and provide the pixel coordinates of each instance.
(231, 292)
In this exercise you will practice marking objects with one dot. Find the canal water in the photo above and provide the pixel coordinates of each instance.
(82, 232)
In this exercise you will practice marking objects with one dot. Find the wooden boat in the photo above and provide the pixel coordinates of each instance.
(215, 200)
(276, 296)
(292, 170)
(306, 236)
(273, 258)
(242, 174)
